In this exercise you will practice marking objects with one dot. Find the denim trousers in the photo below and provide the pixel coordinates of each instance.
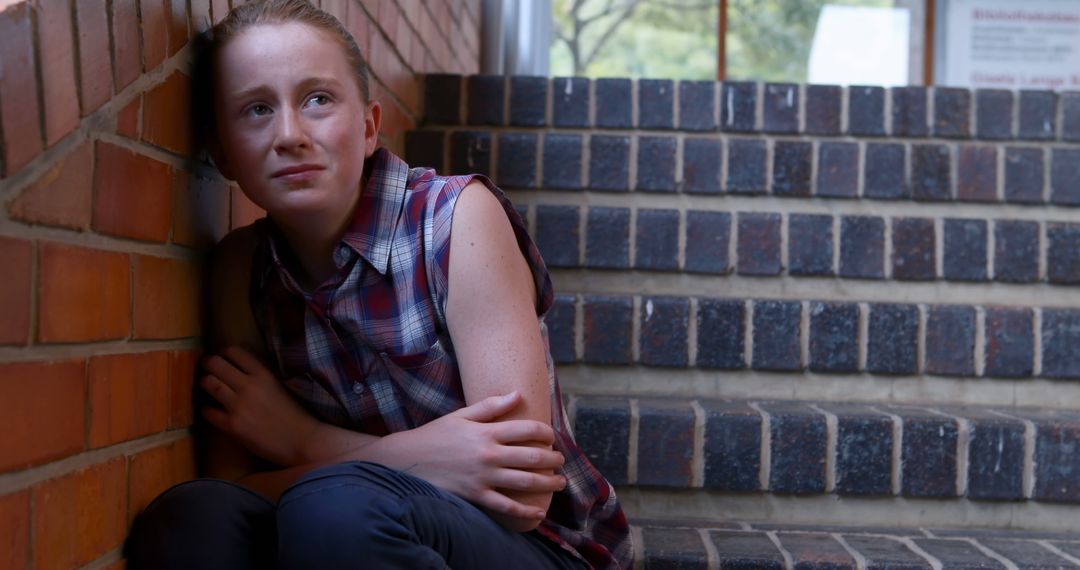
(349, 515)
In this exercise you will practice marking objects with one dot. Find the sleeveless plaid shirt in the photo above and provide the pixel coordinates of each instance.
(369, 349)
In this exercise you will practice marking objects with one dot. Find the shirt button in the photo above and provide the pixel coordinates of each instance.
(357, 388)
(383, 355)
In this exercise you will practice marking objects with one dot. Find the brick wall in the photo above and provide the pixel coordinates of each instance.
(103, 232)
(752, 276)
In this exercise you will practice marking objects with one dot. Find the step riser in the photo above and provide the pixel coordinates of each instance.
(836, 338)
(801, 448)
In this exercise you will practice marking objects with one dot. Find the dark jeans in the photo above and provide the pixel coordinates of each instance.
(349, 515)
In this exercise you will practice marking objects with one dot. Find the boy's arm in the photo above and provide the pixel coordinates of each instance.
(491, 316)
(466, 453)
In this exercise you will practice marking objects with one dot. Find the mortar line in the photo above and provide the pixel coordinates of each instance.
(635, 330)
(788, 562)
(632, 456)
(860, 560)
(896, 465)
(712, 555)
(980, 341)
(939, 247)
(1009, 565)
(804, 335)
(692, 334)
(765, 469)
(863, 339)
(697, 462)
(832, 433)
(20, 480)
(1037, 341)
(907, 541)
(748, 333)
(579, 328)
(1050, 546)
(991, 249)
(920, 335)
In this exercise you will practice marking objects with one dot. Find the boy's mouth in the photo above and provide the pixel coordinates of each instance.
(298, 173)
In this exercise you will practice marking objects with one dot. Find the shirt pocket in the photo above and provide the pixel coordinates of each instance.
(427, 382)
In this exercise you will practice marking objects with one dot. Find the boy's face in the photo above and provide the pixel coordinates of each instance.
(292, 126)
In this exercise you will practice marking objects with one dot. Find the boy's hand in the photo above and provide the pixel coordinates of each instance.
(257, 411)
(475, 456)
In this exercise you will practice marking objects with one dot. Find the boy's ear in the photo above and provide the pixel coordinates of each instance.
(213, 146)
(372, 121)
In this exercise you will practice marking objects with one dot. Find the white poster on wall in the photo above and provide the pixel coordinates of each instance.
(1011, 44)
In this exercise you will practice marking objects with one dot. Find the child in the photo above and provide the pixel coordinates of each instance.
(410, 416)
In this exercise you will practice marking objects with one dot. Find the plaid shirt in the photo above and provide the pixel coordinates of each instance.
(369, 349)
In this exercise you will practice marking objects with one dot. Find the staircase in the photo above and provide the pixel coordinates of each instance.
(802, 326)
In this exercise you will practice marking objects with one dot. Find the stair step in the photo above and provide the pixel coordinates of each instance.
(688, 544)
(803, 448)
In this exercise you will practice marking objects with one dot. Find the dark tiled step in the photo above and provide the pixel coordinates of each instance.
(686, 544)
(856, 450)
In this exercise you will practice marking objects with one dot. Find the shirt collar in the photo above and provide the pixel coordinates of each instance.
(370, 232)
(374, 222)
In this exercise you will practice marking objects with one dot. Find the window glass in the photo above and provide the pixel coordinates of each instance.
(635, 38)
(865, 42)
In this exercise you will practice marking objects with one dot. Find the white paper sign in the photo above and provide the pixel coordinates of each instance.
(1009, 44)
(856, 45)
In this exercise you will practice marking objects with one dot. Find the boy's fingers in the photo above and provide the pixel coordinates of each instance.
(490, 408)
(223, 369)
(519, 457)
(521, 431)
(243, 359)
(518, 480)
(220, 391)
(499, 503)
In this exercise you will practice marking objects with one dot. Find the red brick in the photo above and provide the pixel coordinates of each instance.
(388, 19)
(182, 369)
(404, 40)
(132, 194)
(166, 113)
(128, 397)
(57, 69)
(242, 210)
(16, 258)
(155, 32)
(43, 412)
(200, 16)
(95, 62)
(372, 7)
(220, 9)
(83, 294)
(417, 55)
(155, 470)
(336, 8)
(178, 25)
(395, 123)
(125, 29)
(80, 516)
(62, 196)
(393, 74)
(167, 298)
(15, 530)
(127, 121)
(358, 24)
(19, 118)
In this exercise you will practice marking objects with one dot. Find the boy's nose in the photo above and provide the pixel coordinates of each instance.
(291, 132)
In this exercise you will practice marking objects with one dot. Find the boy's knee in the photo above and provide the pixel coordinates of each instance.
(199, 514)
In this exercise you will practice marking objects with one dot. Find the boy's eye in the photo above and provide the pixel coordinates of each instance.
(317, 100)
(258, 110)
